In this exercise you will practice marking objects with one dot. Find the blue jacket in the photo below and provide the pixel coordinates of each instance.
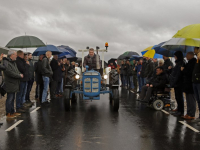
(138, 69)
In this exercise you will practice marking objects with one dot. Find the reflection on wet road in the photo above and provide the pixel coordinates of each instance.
(93, 125)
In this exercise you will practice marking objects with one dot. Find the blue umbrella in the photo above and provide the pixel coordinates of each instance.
(68, 49)
(42, 50)
(135, 57)
(170, 52)
(65, 55)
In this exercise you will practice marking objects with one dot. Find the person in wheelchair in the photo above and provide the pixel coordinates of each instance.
(157, 82)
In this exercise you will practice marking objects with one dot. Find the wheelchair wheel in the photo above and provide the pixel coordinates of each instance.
(158, 104)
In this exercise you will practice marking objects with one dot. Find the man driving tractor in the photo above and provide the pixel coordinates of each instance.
(91, 60)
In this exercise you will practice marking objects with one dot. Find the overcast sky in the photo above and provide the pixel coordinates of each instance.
(127, 25)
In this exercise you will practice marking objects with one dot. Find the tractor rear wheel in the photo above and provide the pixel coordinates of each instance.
(115, 99)
(67, 100)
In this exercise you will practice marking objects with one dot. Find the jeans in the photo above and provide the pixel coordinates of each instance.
(125, 80)
(58, 87)
(196, 87)
(140, 82)
(29, 87)
(179, 99)
(61, 87)
(10, 103)
(20, 97)
(191, 104)
(45, 89)
(37, 91)
(131, 85)
(122, 80)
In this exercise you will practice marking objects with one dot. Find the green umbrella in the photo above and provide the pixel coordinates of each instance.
(4, 50)
(25, 42)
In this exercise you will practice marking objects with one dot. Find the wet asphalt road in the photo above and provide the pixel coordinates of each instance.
(94, 126)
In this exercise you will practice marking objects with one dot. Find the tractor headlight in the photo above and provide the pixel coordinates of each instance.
(77, 76)
(105, 76)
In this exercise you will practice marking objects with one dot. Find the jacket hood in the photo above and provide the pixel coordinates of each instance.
(179, 56)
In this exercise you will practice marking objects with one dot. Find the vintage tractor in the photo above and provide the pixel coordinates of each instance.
(91, 83)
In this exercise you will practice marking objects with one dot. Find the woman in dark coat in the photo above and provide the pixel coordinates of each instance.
(176, 81)
(188, 86)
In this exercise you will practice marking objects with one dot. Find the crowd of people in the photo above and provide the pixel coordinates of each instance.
(183, 76)
(19, 74)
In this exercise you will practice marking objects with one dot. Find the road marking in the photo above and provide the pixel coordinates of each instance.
(35, 109)
(14, 125)
(195, 130)
(165, 112)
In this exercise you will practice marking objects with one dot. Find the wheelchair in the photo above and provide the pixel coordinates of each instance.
(161, 99)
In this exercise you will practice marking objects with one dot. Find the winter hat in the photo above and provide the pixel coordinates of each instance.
(179, 55)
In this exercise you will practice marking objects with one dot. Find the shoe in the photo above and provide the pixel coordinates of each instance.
(196, 120)
(46, 103)
(189, 118)
(20, 110)
(198, 123)
(10, 115)
(28, 104)
(17, 114)
(1, 124)
(184, 116)
(175, 110)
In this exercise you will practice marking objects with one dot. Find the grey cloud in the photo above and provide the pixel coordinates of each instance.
(126, 25)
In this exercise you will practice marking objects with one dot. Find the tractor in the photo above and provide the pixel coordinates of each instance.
(92, 83)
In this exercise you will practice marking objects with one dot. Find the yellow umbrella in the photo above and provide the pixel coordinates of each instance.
(189, 36)
(148, 52)
(151, 53)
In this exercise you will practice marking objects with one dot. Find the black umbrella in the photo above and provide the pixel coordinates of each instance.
(127, 55)
(112, 60)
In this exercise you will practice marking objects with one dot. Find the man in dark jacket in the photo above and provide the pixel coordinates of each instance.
(46, 76)
(150, 69)
(38, 78)
(23, 68)
(158, 82)
(130, 75)
(122, 73)
(31, 78)
(126, 75)
(167, 64)
(90, 60)
(55, 66)
(188, 87)
(12, 81)
(144, 70)
(196, 81)
(176, 81)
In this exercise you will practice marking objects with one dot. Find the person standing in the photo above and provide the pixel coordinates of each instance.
(20, 96)
(138, 68)
(59, 79)
(144, 70)
(176, 81)
(130, 76)
(2, 68)
(150, 68)
(168, 65)
(12, 81)
(196, 81)
(188, 87)
(46, 76)
(31, 78)
(38, 77)
(55, 66)
(122, 73)
(135, 76)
